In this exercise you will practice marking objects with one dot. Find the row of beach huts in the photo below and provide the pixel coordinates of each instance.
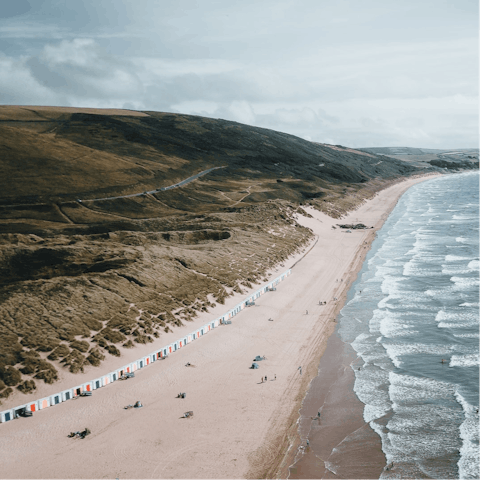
(104, 380)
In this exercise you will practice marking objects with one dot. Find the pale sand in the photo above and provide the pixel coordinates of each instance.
(240, 426)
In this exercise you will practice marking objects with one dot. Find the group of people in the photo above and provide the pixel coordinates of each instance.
(266, 378)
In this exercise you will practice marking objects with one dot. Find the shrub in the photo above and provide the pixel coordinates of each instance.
(6, 393)
(11, 376)
(100, 340)
(49, 375)
(95, 357)
(80, 345)
(128, 344)
(113, 350)
(141, 339)
(30, 366)
(75, 361)
(61, 351)
(47, 344)
(113, 336)
(28, 386)
(43, 365)
(93, 324)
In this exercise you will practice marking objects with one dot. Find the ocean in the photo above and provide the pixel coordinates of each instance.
(412, 317)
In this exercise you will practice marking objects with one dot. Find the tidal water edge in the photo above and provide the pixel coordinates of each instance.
(413, 320)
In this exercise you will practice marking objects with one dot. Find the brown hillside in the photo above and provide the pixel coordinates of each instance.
(73, 258)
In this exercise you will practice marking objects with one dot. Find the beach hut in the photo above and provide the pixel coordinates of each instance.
(43, 403)
(17, 411)
(32, 406)
(97, 383)
(87, 387)
(77, 390)
(6, 416)
(147, 360)
(56, 399)
(67, 394)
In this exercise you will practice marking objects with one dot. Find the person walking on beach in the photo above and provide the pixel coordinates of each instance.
(275, 377)
(300, 368)
(306, 312)
(262, 380)
(265, 378)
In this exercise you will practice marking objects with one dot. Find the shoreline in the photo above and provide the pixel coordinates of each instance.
(290, 462)
(240, 424)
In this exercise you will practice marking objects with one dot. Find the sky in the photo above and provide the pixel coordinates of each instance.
(360, 73)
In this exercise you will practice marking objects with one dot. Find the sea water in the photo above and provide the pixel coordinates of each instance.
(413, 319)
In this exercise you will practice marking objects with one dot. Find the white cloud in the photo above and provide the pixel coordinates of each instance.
(355, 73)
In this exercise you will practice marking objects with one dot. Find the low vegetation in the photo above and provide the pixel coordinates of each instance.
(84, 275)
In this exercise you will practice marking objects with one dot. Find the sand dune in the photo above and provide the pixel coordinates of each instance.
(240, 426)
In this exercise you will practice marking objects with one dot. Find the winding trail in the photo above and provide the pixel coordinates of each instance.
(161, 189)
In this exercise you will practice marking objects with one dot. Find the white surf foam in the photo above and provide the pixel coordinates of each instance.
(474, 265)
(471, 360)
(456, 258)
(466, 335)
(468, 465)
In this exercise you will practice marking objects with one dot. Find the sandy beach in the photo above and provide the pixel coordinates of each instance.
(243, 426)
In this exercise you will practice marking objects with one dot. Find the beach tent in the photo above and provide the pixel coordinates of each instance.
(254, 365)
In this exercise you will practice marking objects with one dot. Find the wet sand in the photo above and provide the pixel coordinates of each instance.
(341, 444)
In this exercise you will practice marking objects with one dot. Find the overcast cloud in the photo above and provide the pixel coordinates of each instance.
(357, 73)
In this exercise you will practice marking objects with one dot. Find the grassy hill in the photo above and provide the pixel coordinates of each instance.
(73, 258)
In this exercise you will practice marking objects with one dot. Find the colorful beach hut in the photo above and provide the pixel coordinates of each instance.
(6, 415)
